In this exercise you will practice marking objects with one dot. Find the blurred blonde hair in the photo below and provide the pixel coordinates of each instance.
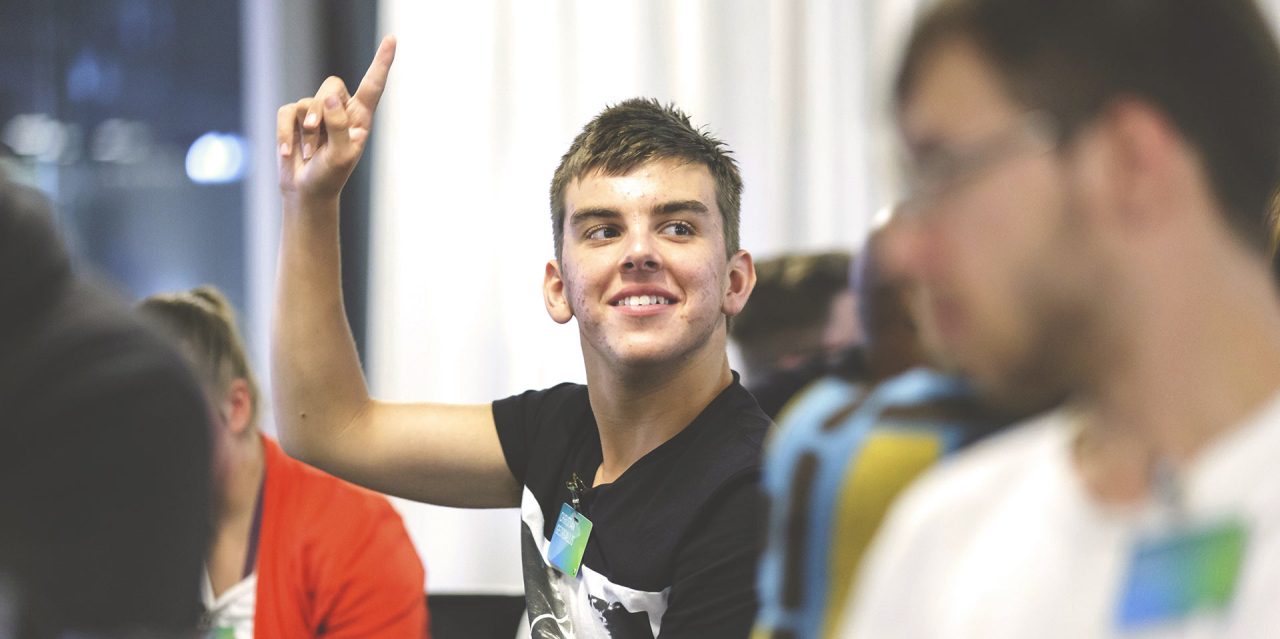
(203, 322)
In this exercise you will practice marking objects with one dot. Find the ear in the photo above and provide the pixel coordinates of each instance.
(1147, 167)
(553, 294)
(741, 279)
(238, 407)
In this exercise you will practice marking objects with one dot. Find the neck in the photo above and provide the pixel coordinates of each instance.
(244, 480)
(1188, 359)
(639, 408)
(229, 548)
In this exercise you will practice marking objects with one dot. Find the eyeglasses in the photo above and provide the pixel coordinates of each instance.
(937, 171)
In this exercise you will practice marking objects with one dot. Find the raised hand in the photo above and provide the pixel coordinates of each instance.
(320, 139)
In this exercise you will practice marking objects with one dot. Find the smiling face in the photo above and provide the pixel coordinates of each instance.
(643, 267)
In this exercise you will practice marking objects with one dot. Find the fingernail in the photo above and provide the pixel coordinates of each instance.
(306, 151)
(284, 149)
(311, 120)
(331, 102)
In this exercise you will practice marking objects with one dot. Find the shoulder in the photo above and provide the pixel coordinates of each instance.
(961, 485)
(935, 523)
(718, 459)
(538, 426)
(537, 406)
(819, 399)
(729, 435)
(936, 518)
(306, 493)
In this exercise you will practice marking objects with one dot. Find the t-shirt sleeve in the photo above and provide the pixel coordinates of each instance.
(713, 593)
(520, 419)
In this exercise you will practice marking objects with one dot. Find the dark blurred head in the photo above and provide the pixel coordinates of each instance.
(799, 311)
(34, 266)
(1210, 66)
(104, 452)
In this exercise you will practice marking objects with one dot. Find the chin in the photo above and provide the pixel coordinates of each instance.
(650, 353)
(644, 357)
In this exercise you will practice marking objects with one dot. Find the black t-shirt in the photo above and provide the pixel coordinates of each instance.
(675, 539)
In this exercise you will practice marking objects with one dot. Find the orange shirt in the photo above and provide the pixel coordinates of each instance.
(334, 559)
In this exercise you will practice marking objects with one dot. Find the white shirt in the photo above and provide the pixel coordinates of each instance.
(231, 615)
(1002, 542)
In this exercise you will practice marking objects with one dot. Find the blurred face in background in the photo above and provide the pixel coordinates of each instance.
(892, 340)
(991, 233)
(842, 330)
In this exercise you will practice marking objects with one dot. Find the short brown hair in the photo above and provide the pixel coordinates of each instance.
(638, 131)
(203, 322)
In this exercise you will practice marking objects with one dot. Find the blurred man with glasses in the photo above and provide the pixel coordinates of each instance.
(1087, 223)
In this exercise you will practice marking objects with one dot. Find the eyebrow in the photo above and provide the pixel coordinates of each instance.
(582, 216)
(682, 206)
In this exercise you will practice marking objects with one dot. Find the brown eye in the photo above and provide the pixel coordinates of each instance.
(602, 233)
(678, 228)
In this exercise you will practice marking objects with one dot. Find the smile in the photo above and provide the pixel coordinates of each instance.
(642, 300)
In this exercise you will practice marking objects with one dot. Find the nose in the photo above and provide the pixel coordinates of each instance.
(640, 255)
(901, 248)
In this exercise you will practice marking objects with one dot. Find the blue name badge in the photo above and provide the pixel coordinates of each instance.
(1181, 574)
(569, 540)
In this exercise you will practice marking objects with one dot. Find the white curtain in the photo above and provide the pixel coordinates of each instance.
(485, 97)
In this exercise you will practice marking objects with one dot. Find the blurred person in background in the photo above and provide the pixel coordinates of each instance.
(1088, 221)
(105, 494)
(801, 316)
(633, 489)
(847, 445)
(296, 552)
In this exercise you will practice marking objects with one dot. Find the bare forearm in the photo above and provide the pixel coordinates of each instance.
(317, 383)
(430, 452)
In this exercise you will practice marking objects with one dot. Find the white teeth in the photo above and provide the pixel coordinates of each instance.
(642, 300)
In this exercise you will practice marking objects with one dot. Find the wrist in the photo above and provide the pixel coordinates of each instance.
(307, 202)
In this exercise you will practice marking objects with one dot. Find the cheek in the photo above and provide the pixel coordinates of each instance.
(577, 283)
(710, 284)
(576, 294)
(708, 281)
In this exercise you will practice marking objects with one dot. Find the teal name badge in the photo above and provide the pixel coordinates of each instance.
(569, 540)
(1181, 574)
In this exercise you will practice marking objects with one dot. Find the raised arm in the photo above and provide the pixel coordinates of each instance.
(435, 453)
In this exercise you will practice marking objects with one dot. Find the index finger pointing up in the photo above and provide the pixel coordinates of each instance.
(375, 79)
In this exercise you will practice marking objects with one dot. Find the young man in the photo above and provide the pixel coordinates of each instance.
(1091, 180)
(659, 452)
(296, 552)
